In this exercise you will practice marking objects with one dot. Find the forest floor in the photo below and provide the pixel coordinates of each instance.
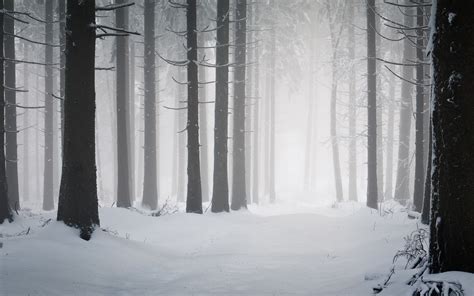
(270, 250)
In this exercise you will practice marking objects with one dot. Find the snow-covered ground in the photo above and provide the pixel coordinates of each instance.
(271, 250)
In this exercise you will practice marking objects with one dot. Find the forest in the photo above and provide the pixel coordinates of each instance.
(237, 147)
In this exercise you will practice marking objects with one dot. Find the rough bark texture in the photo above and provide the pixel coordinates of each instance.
(239, 197)
(452, 221)
(78, 206)
(150, 177)
(420, 110)
(402, 191)
(372, 199)
(48, 181)
(5, 210)
(123, 156)
(194, 193)
(220, 192)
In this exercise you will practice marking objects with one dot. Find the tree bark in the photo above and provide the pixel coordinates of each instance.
(26, 132)
(78, 206)
(194, 193)
(372, 192)
(150, 188)
(352, 111)
(48, 181)
(220, 192)
(452, 222)
(239, 197)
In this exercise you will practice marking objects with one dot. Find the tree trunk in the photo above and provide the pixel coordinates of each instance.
(132, 120)
(256, 118)
(239, 198)
(425, 213)
(220, 192)
(10, 110)
(26, 132)
(5, 210)
(123, 153)
(271, 110)
(78, 206)
(352, 111)
(150, 188)
(181, 142)
(420, 108)
(203, 131)
(194, 193)
(452, 222)
(372, 192)
(390, 127)
(48, 183)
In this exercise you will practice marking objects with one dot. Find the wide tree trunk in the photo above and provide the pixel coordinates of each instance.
(5, 210)
(123, 153)
(150, 188)
(78, 206)
(220, 192)
(194, 193)
(420, 109)
(372, 192)
(239, 197)
(10, 109)
(452, 221)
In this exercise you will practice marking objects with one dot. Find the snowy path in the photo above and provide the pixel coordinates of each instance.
(325, 252)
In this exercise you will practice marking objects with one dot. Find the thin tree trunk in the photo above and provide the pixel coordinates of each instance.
(5, 210)
(452, 223)
(220, 192)
(181, 142)
(26, 132)
(272, 102)
(203, 133)
(256, 118)
(425, 213)
(334, 137)
(352, 110)
(380, 111)
(150, 188)
(78, 206)
(390, 127)
(372, 192)
(132, 120)
(194, 193)
(48, 184)
(123, 153)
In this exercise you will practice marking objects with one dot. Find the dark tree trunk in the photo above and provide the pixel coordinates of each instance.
(352, 111)
(380, 110)
(425, 213)
(420, 109)
(5, 210)
(194, 193)
(78, 206)
(150, 188)
(239, 198)
(10, 110)
(123, 155)
(220, 192)
(452, 221)
(402, 191)
(49, 157)
(372, 199)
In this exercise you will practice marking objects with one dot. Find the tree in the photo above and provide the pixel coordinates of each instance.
(5, 210)
(452, 222)
(372, 199)
(48, 181)
(123, 155)
(220, 192)
(150, 188)
(194, 193)
(256, 116)
(10, 109)
(78, 206)
(239, 197)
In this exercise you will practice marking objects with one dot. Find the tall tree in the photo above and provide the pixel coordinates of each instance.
(220, 192)
(452, 221)
(420, 110)
(26, 133)
(352, 108)
(372, 198)
(194, 193)
(123, 154)
(239, 197)
(5, 210)
(203, 130)
(256, 113)
(150, 188)
(78, 206)
(10, 109)
(390, 131)
(49, 157)
(402, 191)
(271, 113)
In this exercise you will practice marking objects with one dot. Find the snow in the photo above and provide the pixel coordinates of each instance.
(269, 250)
